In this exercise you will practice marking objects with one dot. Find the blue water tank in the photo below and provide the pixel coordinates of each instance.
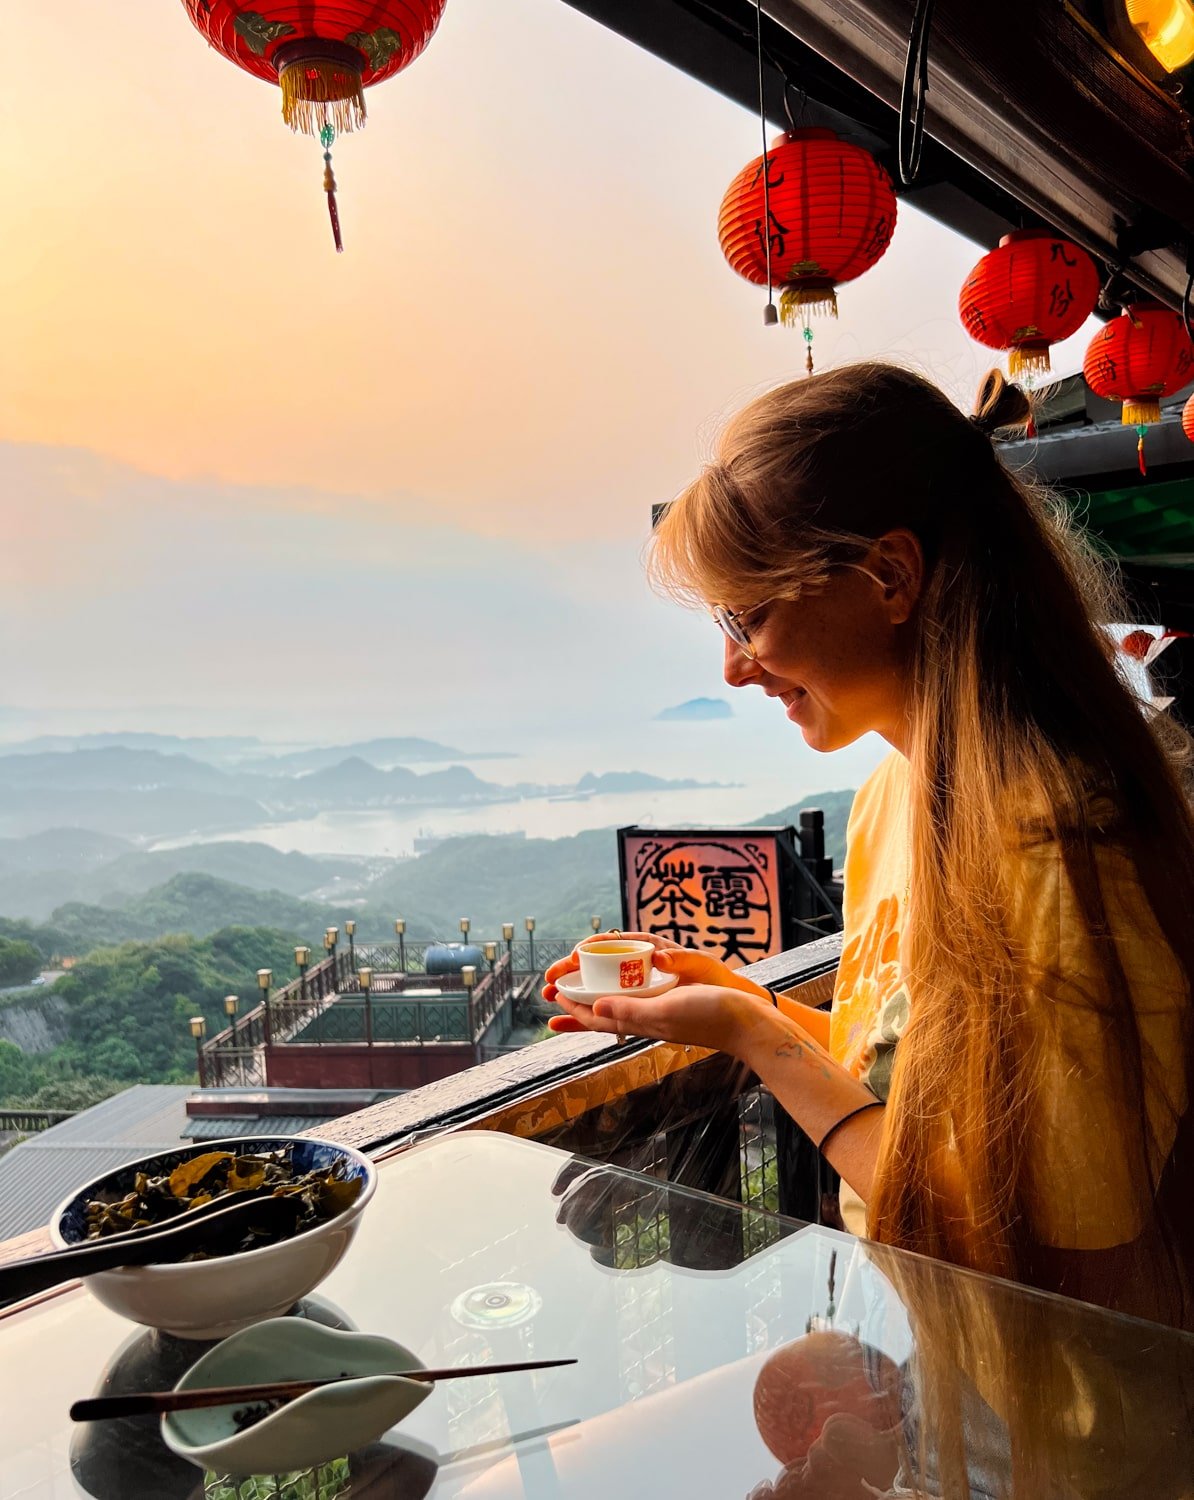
(450, 958)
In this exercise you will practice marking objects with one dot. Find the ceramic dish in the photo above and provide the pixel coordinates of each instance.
(310, 1430)
(572, 989)
(207, 1299)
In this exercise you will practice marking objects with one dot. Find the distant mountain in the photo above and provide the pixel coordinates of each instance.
(197, 904)
(638, 781)
(142, 813)
(60, 849)
(499, 878)
(112, 767)
(355, 782)
(408, 750)
(170, 744)
(836, 807)
(696, 709)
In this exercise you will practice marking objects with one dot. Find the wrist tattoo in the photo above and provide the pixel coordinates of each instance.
(792, 1046)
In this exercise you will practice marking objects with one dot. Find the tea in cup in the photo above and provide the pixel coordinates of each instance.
(612, 964)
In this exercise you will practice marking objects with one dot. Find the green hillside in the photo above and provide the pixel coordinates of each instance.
(128, 1009)
(492, 879)
(195, 904)
(836, 807)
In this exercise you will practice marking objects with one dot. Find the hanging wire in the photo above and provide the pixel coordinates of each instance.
(914, 93)
(789, 87)
(770, 312)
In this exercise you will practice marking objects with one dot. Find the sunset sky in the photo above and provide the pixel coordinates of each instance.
(242, 472)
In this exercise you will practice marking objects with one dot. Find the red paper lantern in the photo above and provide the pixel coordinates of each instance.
(1188, 419)
(1137, 358)
(323, 54)
(830, 211)
(1034, 289)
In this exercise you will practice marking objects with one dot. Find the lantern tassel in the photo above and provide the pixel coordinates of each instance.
(1028, 359)
(798, 302)
(1140, 464)
(1141, 410)
(327, 135)
(317, 89)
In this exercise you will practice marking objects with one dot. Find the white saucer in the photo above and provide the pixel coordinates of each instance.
(572, 989)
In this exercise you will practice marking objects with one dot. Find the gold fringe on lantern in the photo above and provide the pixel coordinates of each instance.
(318, 91)
(1140, 411)
(1028, 359)
(802, 300)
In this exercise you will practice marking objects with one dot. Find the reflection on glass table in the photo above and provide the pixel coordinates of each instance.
(722, 1353)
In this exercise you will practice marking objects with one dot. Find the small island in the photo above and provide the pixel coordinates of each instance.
(696, 709)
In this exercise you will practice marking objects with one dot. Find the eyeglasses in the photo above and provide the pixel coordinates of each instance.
(733, 625)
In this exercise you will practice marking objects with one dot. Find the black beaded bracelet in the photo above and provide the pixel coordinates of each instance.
(862, 1108)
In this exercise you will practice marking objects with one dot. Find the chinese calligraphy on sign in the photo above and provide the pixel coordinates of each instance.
(717, 892)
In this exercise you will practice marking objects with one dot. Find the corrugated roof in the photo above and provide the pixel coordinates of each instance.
(215, 1127)
(148, 1114)
(34, 1178)
(36, 1175)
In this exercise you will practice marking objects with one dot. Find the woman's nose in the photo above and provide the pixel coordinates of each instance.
(738, 668)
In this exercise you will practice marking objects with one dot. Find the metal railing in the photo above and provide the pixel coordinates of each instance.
(327, 1006)
(31, 1121)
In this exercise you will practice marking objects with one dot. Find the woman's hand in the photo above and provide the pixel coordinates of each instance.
(721, 1018)
(670, 958)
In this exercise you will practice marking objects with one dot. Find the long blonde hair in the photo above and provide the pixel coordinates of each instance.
(1022, 732)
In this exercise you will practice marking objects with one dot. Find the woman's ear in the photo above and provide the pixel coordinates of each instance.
(897, 563)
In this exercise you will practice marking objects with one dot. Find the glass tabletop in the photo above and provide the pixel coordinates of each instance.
(722, 1352)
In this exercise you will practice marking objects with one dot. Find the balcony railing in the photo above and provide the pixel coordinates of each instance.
(327, 1008)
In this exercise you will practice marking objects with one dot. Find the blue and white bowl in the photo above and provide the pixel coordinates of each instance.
(207, 1299)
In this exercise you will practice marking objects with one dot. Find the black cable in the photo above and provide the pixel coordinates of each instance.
(914, 93)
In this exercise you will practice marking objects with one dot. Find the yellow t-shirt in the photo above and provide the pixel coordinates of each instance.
(1083, 1187)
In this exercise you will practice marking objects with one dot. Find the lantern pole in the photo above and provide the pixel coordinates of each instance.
(198, 1027)
(265, 977)
(508, 934)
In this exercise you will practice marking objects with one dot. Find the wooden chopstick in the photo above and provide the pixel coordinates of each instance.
(154, 1403)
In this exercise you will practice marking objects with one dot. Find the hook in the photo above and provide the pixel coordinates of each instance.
(914, 93)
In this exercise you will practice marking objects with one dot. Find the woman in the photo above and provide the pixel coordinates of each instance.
(1003, 1081)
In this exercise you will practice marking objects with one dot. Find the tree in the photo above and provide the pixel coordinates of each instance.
(20, 961)
(18, 1073)
(73, 1093)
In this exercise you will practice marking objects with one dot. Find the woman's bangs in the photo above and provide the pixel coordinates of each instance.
(702, 551)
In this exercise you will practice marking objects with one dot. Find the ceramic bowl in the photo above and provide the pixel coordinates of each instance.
(311, 1429)
(208, 1299)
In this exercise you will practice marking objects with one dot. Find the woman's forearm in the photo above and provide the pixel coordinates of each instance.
(818, 1094)
(815, 1022)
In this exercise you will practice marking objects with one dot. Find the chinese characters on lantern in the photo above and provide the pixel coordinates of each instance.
(721, 893)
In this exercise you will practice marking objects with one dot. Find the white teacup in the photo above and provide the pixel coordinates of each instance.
(610, 964)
